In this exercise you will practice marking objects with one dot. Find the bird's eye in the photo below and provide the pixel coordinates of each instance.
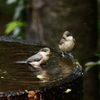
(64, 38)
(68, 34)
(43, 50)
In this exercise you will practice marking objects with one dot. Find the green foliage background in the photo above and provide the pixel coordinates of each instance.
(17, 25)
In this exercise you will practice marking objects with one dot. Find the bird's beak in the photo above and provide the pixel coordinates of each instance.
(48, 53)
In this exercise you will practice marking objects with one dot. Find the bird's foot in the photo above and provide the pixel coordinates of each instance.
(62, 54)
(69, 55)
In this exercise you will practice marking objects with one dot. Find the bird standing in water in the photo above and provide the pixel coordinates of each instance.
(66, 43)
(40, 58)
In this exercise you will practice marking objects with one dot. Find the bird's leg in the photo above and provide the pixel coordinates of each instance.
(69, 54)
(62, 54)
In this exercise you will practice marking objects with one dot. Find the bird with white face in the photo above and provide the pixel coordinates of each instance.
(66, 43)
(40, 58)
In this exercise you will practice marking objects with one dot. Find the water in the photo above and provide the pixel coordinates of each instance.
(21, 76)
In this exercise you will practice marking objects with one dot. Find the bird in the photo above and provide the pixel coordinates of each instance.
(66, 43)
(39, 58)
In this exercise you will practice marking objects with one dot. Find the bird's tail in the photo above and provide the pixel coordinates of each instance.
(21, 61)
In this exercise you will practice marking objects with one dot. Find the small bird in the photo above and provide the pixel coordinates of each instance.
(40, 58)
(66, 43)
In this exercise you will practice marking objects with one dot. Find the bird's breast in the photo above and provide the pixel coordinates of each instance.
(67, 46)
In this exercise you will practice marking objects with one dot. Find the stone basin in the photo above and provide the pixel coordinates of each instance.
(17, 78)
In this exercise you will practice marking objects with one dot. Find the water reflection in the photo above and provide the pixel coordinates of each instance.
(66, 66)
(21, 76)
(41, 73)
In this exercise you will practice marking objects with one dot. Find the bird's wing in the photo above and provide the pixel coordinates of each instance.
(34, 58)
(61, 41)
(74, 40)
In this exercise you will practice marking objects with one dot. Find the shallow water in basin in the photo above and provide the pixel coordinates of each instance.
(21, 76)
